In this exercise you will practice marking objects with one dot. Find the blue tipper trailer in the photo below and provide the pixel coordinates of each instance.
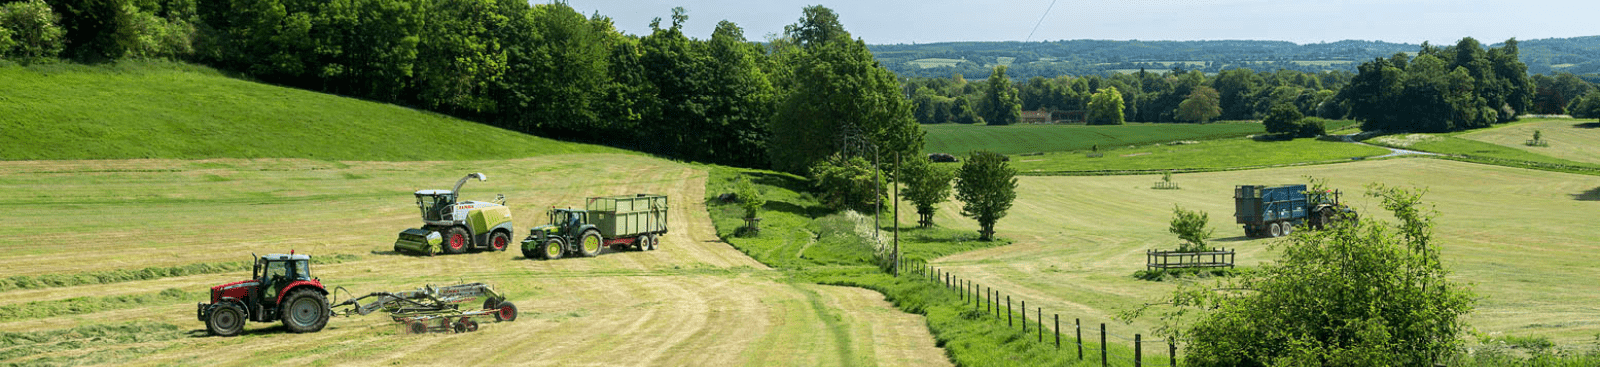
(1269, 211)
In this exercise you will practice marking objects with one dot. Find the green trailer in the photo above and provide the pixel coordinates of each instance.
(619, 222)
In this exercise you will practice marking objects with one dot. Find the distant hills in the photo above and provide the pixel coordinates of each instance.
(975, 60)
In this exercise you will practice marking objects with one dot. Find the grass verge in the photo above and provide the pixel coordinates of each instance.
(811, 244)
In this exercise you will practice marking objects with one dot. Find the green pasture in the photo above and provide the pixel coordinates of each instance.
(1206, 155)
(1517, 235)
(153, 109)
(935, 62)
(1016, 139)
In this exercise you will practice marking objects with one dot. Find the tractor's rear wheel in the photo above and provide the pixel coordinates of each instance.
(1273, 230)
(505, 312)
(457, 240)
(499, 241)
(591, 243)
(551, 249)
(225, 320)
(305, 311)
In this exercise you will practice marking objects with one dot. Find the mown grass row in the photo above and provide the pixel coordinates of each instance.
(15, 346)
(814, 245)
(1203, 156)
(89, 304)
(150, 273)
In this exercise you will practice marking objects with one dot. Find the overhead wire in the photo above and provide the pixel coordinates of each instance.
(1041, 21)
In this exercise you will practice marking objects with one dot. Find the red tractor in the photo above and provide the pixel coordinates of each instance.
(280, 288)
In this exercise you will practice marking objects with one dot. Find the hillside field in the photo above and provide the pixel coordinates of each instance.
(1569, 139)
(696, 301)
(1513, 233)
(153, 109)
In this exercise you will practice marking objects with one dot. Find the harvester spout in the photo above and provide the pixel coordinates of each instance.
(457, 190)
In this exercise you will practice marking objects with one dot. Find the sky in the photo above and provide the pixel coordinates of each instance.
(1299, 21)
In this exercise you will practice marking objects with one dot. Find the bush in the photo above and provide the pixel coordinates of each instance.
(1283, 120)
(749, 198)
(1311, 127)
(848, 183)
(1190, 226)
(30, 30)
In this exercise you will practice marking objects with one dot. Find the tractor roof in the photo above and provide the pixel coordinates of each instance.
(286, 257)
(433, 192)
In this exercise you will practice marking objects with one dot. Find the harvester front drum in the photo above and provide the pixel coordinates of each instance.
(591, 243)
(457, 240)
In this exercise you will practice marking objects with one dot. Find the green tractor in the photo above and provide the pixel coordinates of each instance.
(464, 225)
(620, 222)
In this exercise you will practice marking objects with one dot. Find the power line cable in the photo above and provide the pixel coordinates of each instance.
(1041, 21)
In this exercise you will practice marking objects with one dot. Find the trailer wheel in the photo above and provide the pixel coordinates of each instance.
(551, 249)
(458, 327)
(1273, 230)
(654, 242)
(416, 327)
(499, 241)
(456, 240)
(305, 310)
(225, 320)
(1288, 228)
(471, 325)
(591, 243)
(642, 243)
(506, 312)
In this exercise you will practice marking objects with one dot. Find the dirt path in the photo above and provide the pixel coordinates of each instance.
(695, 302)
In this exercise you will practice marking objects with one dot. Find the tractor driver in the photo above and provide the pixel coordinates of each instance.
(572, 219)
(274, 280)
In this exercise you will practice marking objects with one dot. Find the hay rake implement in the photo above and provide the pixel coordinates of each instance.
(433, 309)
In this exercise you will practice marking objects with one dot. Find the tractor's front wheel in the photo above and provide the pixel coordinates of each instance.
(225, 320)
(456, 240)
(305, 311)
(499, 241)
(591, 243)
(551, 249)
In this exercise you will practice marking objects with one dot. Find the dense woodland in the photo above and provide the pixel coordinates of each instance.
(787, 102)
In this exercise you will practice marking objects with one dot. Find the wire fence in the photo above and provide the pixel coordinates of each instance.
(1088, 340)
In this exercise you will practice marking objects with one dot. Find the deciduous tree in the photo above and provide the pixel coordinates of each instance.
(1105, 107)
(1000, 106)
(1201, 106)
(986, 185)
(927, 185)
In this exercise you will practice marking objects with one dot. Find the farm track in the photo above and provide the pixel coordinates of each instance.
(696, 301)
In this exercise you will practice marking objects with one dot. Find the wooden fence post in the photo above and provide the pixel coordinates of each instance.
(1040, 320)
(1103, 345)
(1008, 312)
(1172, 352)
(1138, 349)
(1078, 324)
(1058, 331)
(1024, 316)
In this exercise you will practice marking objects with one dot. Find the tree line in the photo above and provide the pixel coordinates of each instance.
(544, 69)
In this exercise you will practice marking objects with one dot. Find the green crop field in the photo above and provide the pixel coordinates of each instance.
(1514, 233)
(137, 109)
(1016, 139)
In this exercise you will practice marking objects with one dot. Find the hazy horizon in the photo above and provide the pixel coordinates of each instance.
(1298, 21)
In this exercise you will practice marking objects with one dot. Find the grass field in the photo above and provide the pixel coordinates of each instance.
(1569, 139)
(1514, 233)
(1208, 155)
(1016, 139)
(696, 301)
(139, 109)
(1497, 145)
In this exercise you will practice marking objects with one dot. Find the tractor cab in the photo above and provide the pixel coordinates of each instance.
(1326, 196)
(275, 271)
(567, 219)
